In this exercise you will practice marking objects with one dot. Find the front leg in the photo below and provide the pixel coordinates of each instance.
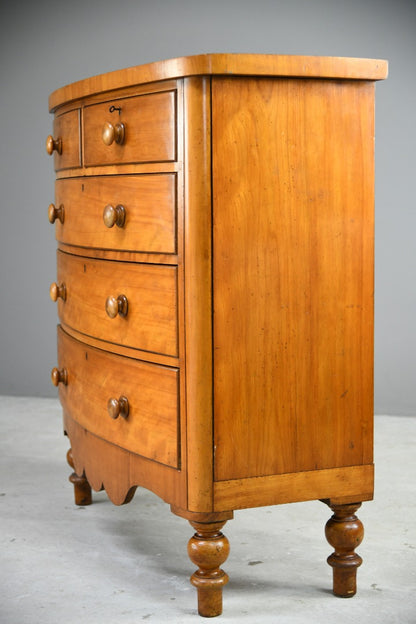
(82, 489)
(344, 531)
(208, 549)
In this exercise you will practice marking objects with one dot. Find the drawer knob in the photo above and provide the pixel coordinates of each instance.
(114, 216)
(56, 291)
(55, 213)
(116, 306)
(59, 376)
(113, 133)
(53, 145)
(118, 407)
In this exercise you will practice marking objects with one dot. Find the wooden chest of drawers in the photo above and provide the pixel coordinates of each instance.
(214, 219)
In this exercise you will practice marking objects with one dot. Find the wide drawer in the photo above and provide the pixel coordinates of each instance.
(150, 322)
(66, 128)
(94, 377)
(148, 203)
(149, 123)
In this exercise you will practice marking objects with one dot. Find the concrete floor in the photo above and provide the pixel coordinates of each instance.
(123, 565)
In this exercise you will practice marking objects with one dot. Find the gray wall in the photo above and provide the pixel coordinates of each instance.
(47, 44)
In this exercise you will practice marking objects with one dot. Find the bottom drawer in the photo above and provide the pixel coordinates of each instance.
(94, 377)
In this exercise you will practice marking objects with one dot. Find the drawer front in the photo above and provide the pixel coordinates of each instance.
(149, 130)
(151, 427)
(67, 128)
(148, 203)
(151, 320)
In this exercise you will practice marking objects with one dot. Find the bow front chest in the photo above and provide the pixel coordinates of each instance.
(214, 219)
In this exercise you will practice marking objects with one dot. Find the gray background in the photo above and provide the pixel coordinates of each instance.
(47, 44)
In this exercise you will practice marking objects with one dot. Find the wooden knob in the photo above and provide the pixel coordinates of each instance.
(116, 306)
(55, 213)
(53, 145)
(56, 291)
(59, 376)
(113, 133)
(114, 216)
(118, 407)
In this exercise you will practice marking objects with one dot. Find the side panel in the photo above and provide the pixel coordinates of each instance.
(292, 275)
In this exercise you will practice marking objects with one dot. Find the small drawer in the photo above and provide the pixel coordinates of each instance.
(126, 303)
(66, 132)
(148, 422)
(136, 129)
(143, 208)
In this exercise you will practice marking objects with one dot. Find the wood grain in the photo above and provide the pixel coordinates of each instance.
(214, 64)
(237, 362)
(293, 276)
(345, 532)
(122, 471)
(151, 290)
(349, 483)
(149, 201)
(67, 127)
(150, 122)
(197, 283)
(95, 376)
(155, 358)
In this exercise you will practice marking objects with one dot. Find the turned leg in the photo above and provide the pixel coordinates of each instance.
(208, 549)
(82, 489)
(344, 531)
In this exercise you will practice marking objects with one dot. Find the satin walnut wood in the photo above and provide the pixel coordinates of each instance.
(345, 532)
(215, 226)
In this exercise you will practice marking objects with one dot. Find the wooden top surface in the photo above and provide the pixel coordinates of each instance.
(217, 64)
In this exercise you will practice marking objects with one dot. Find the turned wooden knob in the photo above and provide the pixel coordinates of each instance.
(53, 145)
(55, 213)
(114, 216)
(57, 292)
(118, 407)
(113, 133)
(59, 376)
(116, 306)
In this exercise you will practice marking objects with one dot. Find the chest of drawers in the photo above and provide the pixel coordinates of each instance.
(214, 219)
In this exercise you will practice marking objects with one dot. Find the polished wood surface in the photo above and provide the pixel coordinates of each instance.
(114, 215)
(346, 484)
(151, 291)
(293, 276)
(122, 470)
(345, 532)
(150, 130)
(118, 407)
(57, 291)
(127, 351)
(198, 294)
(56, 212)
(113, 132)
(214, 64)
(82, 489)
(95, 377)
(53, 145)
(209, 549)
(150, 212)
(59, 376)
(66, 131)
(214, 218)
(117, 306)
